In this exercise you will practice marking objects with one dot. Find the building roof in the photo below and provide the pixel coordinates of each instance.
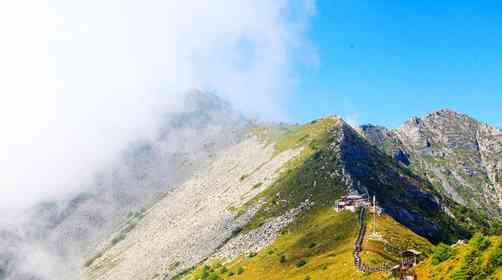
(411, 252)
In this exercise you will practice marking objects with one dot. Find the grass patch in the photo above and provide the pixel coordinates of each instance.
(441, 253)
(90, 261)
(119, 237)
(301, 263)
(480, 259)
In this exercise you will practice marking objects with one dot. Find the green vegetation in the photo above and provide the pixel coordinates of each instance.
(297, 181)
(441, 253)
(480, 259)
(294, 256)
(301, 263)
(283, 259)
(498, 176)
(174, 265)
(90, 261)
(318, 243)
(119, 237)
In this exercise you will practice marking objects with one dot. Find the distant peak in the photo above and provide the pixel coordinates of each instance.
(444, 111)
(369, 126)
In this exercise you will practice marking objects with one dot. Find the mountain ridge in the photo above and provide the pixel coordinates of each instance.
(252, 188)
(458, 154)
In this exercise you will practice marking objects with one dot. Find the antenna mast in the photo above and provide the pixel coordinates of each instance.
(374, 215)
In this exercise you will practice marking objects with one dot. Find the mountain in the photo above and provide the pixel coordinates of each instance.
(216, 196)
(64, 230)
(267, 205)
(460, 156)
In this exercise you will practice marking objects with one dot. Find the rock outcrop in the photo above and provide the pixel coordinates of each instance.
(462, 157)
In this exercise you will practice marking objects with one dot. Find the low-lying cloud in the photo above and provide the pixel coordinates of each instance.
(80, 80)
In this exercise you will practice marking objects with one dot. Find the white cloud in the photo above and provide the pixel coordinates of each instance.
(81, 79)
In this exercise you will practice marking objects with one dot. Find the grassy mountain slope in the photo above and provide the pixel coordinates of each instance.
(481, 258)
(337, 160)
(318, 244)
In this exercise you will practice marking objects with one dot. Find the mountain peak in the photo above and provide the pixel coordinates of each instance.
(448, 113)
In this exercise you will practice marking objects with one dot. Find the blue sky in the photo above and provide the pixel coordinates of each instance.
(384, 61)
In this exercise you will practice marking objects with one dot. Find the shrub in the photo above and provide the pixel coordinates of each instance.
(205, 272)
(118, 238)
(312, 245)
(236, 231)
(91, 260)
(240, 270)
(252, 254)
(283, 259)
(301, 263)
(307, 278)
(223, 269)
(213, 276)
(480, 242)
(441, 253)
(494, 260)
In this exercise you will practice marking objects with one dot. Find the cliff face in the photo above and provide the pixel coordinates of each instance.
(459, 155)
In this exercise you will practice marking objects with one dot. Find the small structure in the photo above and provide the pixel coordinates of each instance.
(410, 257)
(402, 274)
(460, 242)
(351, 202)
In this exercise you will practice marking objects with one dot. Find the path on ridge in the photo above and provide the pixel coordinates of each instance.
(362, 267)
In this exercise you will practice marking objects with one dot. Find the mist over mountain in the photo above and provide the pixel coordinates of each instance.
(214, 185)
(53, 237)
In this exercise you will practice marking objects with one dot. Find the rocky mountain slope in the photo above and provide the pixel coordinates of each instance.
(53, 239)
(191, 221)
(312, 166)
(460, 156)
(218, 196)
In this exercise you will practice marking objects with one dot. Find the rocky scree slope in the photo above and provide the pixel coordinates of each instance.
(459, 155)
(191, 221)
(53, 239)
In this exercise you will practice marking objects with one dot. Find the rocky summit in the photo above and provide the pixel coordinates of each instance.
(459, 155)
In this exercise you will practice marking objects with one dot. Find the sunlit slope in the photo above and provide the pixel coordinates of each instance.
(319, 243)
(480, 258)
(283, 224)
(317, 246)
